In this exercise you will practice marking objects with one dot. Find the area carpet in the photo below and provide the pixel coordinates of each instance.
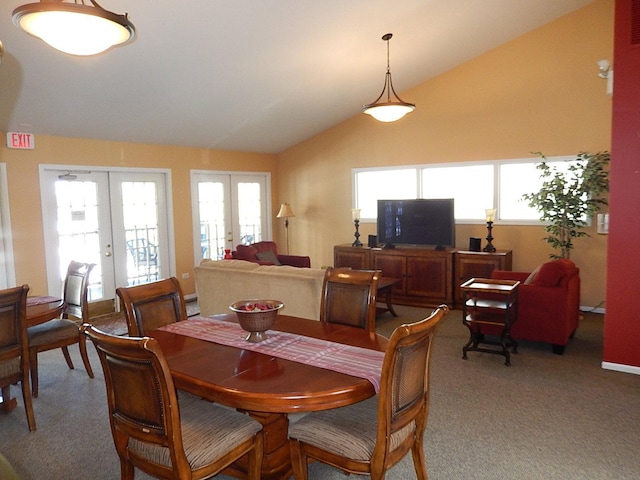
(545, 417)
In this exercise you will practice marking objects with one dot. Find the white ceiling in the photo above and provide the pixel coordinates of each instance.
(246, 75)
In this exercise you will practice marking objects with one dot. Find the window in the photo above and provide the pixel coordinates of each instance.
(517, 179)
(474, 186)
(471, 186)
(380, 184)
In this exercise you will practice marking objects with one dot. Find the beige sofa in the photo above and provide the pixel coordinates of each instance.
(219, 283)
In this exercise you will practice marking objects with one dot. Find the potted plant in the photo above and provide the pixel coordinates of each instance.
(568, 198)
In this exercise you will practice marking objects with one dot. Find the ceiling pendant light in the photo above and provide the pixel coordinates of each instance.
(76, 28)
(393, 108)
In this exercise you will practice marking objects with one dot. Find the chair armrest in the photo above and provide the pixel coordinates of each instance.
(545, 314)
(542, 298)
(295, 261)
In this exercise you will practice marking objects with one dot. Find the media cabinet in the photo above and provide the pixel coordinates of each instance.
(428, 277)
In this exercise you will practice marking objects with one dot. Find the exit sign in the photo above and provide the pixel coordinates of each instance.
(22, 141)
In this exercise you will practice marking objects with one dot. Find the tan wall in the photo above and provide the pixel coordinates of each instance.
(24, 194)
(539, 92)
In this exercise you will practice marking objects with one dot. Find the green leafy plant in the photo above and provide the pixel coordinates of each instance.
(568, 198)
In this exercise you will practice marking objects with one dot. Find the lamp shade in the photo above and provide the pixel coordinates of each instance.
(388, 112)
(285, 211)
(394, 108)
(490, 214)
(74, 28)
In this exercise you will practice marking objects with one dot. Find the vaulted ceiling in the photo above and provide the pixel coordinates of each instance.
(246, 75)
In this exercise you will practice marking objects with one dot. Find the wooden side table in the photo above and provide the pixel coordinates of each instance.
(385, 285)
(494, 304)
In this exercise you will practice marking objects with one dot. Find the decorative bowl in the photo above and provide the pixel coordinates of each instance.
(256, 317)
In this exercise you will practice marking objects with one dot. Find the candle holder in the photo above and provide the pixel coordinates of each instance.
(355, 213)
(489, 247)
(491, 216)
(356, 242)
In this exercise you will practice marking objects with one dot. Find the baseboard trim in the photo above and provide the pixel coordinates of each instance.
(619, 367)
(584, 308)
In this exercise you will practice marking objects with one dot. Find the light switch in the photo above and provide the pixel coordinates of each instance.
(602, 225)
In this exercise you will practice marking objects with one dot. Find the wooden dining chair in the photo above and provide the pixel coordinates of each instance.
(63, 332)
(152, 305)
(349, 297)
(371, 436)
(156, 431)
(14, 349)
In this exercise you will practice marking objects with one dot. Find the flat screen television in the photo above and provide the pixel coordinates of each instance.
(419, 222)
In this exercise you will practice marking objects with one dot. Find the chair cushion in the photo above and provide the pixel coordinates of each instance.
(9, 367)
(209, 431)
(348, 431)
(52, 331)
(268, 256)
(549, 274)
(265, 245)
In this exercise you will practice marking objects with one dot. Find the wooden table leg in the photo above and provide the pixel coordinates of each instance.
(386, 292)
(389, 305)
(276, 461)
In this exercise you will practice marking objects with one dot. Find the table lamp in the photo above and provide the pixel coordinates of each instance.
(491, 216)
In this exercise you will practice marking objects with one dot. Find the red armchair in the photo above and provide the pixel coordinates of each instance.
(266, 253)
(548, 303)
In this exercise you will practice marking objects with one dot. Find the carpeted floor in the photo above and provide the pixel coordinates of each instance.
(545, 417)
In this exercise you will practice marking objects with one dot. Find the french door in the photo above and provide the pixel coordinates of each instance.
(116, 219)
(228, 209)
(7, 264)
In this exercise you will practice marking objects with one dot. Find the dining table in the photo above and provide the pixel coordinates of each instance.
(40, 309)
(209, 357)
(43, 308)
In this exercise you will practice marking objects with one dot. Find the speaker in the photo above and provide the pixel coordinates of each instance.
(474, 244)
(373, 241)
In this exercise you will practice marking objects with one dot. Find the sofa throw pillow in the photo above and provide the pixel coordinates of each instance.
(550, 274)
(246, 252)
(268, 256)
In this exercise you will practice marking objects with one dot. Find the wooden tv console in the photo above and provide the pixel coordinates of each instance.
(429, 277)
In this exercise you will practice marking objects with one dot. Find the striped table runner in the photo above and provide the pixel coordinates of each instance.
(355, 361)
(41, 300)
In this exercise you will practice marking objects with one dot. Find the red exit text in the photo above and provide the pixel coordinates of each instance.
(24, 141)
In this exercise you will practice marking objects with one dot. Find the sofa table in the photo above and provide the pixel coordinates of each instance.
(492, 303)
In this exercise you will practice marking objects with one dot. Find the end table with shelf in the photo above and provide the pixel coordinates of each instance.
(492, 303)
(478, 265)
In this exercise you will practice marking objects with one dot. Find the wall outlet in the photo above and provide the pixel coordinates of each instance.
(185, 276)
